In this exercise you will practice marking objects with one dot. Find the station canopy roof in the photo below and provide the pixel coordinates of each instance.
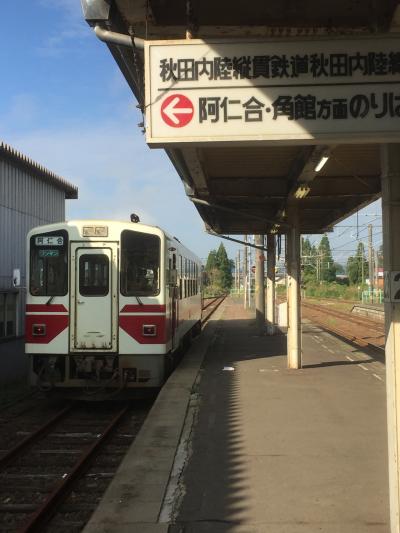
(247, 188)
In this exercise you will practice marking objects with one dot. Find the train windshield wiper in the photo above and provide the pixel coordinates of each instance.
(139, 300)
(50, 300)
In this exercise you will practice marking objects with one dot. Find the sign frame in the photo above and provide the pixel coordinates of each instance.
(160, 137)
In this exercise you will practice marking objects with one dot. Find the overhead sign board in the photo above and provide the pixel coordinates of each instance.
(291, 91)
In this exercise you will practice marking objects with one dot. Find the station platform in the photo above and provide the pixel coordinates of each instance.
(237, 443)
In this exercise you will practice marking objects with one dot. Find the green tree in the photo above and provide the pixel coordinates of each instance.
(327, 265)
(218, 270)
(352, 270)
(224, 265)
(357, 266)
(380, 256)
(308, 260)
(211, 261)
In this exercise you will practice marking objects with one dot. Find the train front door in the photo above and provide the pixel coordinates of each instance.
(93, 298)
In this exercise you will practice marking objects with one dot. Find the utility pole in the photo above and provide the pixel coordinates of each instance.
(259, 284)
(370, 263)
(362, 269)
(376, 269)
(293, 292)
(245, 273)
(271, 255)
(249, 273)
(236, 273)
(239, 274)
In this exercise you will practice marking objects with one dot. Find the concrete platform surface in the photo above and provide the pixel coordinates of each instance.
(250, 446)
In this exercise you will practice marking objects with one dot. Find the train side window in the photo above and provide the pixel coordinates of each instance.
(93, 275)
(49, 264)
(140, 264)
(180, 278)
(193, 279)
(190, 276)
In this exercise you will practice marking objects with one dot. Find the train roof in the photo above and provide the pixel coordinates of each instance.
(122, 223)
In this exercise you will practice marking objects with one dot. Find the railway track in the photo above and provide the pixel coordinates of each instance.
(360, 321)
(54, 476)
(57, 459)
(364, 332)
(212, 305)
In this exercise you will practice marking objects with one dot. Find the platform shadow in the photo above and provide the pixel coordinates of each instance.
(337, 363)
(217, 483)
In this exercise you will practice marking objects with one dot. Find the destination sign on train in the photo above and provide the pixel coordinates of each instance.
(53, 240)
(291, 91)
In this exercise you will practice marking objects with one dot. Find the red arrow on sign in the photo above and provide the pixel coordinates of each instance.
(177, 110)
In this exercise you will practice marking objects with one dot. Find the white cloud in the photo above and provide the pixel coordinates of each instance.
(71, 28)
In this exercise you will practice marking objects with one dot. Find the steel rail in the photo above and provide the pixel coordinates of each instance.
(205, 319)
(352, 338)
(339, 332)
(367, 322)
(213, 299)
(30, 439)
(48, 507)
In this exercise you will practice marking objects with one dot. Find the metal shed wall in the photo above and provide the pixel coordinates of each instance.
(26, 201)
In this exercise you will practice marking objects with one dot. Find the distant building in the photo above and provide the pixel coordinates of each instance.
(30, 195)
(378, 279)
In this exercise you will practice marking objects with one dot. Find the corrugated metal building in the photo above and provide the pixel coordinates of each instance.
(30, 195)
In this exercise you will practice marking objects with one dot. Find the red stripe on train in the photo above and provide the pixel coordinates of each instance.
(133, 326)
(152, 308)
(44, 308)
(55, 324)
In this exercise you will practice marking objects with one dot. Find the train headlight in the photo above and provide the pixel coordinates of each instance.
(38, 330)
(149, 330)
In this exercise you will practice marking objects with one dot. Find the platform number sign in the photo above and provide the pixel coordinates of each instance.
(395, 286)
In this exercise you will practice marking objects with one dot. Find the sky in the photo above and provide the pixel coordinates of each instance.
(65, 104)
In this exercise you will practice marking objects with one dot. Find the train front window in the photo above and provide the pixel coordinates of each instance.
(93, 275)
(49, 264)
(140, 264)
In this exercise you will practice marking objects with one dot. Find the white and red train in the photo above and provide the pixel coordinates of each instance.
(109, 304)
